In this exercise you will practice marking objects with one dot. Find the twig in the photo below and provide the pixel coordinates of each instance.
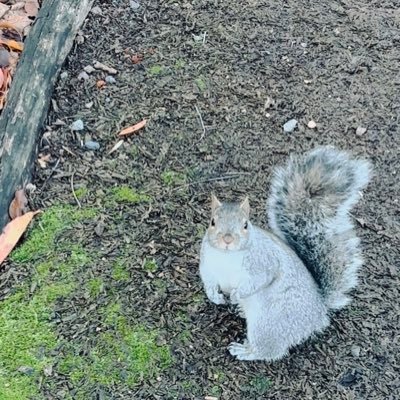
(201, 122)
(51, 174)
(233, 175)
(73, 191)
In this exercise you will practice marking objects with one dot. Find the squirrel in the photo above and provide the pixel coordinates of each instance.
(286, 281)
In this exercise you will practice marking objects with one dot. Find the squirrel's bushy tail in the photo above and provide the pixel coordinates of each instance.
(308, 208)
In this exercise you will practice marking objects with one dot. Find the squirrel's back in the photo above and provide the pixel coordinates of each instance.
(308, 208)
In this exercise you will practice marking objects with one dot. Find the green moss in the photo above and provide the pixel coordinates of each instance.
(134, 151)
(125, 354)
(27, 334)
(81, 192)
(125, 194)
(201, 83)
(258, 385)
(46, 229)
(150, 265)
(95, 287)
(179, 64)
(172, 178)
(156, 70)
(26, 338)
(119, 272)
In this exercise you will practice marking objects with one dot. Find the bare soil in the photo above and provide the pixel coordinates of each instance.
(246, 67)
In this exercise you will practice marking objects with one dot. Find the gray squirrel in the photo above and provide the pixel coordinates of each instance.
(286, 281)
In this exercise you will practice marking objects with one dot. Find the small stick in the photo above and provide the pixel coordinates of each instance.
(51, 174)
(201, 122)
(73, 191)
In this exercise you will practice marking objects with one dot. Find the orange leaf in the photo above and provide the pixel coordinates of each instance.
(100, 84)
(12, 44)
(1, 78)
(133, 129)
(18, 205)
(13, 232)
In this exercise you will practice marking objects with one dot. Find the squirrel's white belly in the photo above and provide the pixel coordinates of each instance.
(226, 267)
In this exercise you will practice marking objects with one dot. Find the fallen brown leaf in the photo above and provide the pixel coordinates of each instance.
(132, 129)
(43, 160)
(13, 232)
(32, 7)
(137, 58)
(19, 204)
(100, 84)
(12, 44)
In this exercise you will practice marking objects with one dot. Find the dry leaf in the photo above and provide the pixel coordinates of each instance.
(12, 44)
(106, 68)
(132, 129)
(116, 146)
(3, 9)
(13, 232)
(43, 160)
(32, 8)
(137, 58)
(18, 22)
(1, 78)
(100, 84)
(19, 204)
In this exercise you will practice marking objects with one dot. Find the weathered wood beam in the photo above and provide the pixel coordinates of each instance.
(46, 48)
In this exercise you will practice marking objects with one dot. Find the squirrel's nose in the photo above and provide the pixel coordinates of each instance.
(228, 238)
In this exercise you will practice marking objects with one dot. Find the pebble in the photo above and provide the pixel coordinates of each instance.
(64, 75)
(4, 58)
(89, 105)
(96, 10)
(312, 124)
(290, 125)
(134, 4)
(26, 370)
(89, 69)
(77, 125)
(360, 131)
(83, 76)
(92, 145)
(110, 79)
(355, 351)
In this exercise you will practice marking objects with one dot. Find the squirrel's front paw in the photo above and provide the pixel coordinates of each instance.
(216, 297)
(234, 296)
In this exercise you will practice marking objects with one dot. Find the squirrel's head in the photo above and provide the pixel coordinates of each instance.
(229, 224)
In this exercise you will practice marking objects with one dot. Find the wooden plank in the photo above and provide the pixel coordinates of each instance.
(46, 48)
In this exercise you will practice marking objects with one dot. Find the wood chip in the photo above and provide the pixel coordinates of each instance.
(103, 67)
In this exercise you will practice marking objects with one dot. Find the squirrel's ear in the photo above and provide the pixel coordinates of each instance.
(245, 206)
(215, 203)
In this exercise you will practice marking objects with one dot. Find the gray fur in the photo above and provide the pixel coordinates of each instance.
(308, 208)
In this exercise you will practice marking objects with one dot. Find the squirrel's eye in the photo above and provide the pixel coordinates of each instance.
(245, 225)
(213, 222)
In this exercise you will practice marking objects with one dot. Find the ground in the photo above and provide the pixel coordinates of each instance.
(103, 299)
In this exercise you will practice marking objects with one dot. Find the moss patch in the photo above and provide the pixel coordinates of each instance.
(125, 194)
(201, 84)
(156, 70)
(119, 272)
(150, 265)
(172, 178)
(95, 287)
(43, 236)
(27, 334)
(125, 354)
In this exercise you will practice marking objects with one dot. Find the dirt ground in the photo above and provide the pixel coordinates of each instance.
(217, 81)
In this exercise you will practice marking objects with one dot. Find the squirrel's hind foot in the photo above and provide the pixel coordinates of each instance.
(243, 351)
